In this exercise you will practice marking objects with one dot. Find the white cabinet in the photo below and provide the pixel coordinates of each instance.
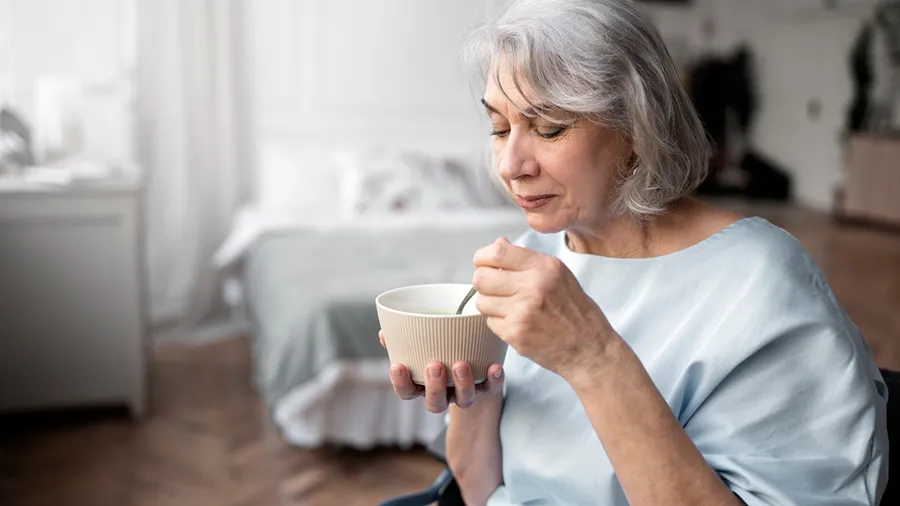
(71, 299)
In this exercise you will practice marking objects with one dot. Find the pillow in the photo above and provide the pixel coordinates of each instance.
(385, 181)
(487, 187)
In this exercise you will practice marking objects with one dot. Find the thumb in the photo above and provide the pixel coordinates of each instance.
(501, 240)
(494, 381)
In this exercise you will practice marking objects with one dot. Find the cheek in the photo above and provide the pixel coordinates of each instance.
(590, 194)
(586, 184)
(577, 175)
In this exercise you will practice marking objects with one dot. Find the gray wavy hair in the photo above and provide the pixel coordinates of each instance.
(605, 61)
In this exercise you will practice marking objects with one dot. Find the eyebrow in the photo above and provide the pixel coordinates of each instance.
(530, 112)
(489, 107)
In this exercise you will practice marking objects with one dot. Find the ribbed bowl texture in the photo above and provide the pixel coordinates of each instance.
(420, 325)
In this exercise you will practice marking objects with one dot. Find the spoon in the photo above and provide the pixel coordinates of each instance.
(465, 301)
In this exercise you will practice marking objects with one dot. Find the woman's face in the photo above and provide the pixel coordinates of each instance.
(562, 177)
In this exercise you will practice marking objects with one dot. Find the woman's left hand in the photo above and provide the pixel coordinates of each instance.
(534, 303)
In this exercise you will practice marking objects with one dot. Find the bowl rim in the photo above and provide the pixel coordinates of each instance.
(421, 315)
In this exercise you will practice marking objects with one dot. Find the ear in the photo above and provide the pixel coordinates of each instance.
(628, 165)
(628, 158)
(633, 162)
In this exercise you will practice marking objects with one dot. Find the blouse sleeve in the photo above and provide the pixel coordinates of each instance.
(499, 498)
(798, 421)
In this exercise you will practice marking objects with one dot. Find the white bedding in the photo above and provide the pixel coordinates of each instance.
(310, 286)
(251, 223)
(327, 232)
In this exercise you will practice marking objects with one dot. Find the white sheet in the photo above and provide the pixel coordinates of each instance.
(252, 222)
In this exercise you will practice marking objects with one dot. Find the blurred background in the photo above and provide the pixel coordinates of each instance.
(200, 200)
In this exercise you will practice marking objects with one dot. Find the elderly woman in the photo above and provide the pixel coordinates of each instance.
(662, 351)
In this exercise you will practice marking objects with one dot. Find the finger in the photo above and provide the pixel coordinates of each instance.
(492, 281)
(499, 326)
(493, 384)
(503, 255)
(402, 383)
(464, 384)
(381, 338)
(436, 387)
(490, 306)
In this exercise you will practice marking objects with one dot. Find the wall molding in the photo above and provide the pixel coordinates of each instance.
(303, 52)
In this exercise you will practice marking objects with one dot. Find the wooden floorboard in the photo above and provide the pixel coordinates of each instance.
(208, 440)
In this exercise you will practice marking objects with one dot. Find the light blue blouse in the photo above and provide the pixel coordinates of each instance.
(745, 341)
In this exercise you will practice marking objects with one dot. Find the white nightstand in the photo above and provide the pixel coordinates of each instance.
(72, 318)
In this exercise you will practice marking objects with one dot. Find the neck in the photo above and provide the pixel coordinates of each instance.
(626, 237)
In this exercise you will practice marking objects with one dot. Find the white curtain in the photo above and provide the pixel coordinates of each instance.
(196, 148)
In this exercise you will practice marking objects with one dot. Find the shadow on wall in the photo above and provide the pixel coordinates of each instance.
(723, 90)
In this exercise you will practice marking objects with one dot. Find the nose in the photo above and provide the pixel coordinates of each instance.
(516, 158)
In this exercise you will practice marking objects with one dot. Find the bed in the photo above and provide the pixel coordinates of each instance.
(307, 285)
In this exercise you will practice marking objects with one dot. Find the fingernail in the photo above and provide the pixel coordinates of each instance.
(395, 371)
(498, 374)
(434, 372)
(461, 372)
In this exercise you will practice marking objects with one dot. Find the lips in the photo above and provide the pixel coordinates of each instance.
(532, 202)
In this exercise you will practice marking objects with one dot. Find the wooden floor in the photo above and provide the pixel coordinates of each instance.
(208, 441)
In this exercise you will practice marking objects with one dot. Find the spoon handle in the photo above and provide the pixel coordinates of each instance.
(466, 300)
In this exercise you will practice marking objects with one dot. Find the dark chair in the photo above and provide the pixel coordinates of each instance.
(892, 493)
(445, 492)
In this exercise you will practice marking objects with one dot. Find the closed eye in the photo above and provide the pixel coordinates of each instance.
(552, 133)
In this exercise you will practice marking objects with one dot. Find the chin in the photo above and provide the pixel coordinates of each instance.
(544, 224)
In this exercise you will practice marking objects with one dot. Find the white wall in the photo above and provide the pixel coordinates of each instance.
(682, 25)
(84, 52)
(351, 73)
(82, 39)
(801, 51)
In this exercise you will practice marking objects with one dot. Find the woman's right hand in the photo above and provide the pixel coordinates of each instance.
(437, 395)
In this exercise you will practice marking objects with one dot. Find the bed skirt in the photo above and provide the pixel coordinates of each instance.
(352, 404)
